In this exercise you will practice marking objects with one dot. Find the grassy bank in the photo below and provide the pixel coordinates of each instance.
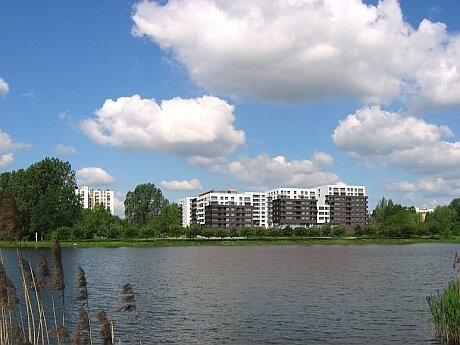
(228, 242)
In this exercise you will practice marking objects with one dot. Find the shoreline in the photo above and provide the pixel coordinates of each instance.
(181, 242)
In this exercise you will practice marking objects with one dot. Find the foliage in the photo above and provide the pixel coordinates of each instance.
(143, 204)
(445, 309)
(44, 195)
(339, 231)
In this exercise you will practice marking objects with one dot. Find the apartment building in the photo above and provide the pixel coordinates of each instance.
(223, 208)
(91, 197)
(343, 205)
(291, 206)
(335, 204)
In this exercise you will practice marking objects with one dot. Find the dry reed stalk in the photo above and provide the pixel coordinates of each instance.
(106, 329)
(128, 304)
(30, 318)
(58, 276)
(83, 296)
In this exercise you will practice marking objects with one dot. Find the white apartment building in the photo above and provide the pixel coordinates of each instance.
(91, 197)
(283, 206)
(259, 208)
(423, 211)
(186, 208)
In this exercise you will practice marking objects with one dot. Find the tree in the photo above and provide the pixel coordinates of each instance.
(143, 204)
(339, 231)
(10, 227)
(57, 208)
(441, 221)
(326, 230)
(29, 187)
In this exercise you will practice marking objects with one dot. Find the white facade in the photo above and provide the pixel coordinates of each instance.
(92, 197)
(338, 189)
(219, 197)
(186, 207)
(423, 211)
(259, 208)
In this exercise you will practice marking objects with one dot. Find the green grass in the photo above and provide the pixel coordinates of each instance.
(181, 242)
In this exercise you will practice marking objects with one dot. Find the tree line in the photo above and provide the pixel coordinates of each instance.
(41, 200)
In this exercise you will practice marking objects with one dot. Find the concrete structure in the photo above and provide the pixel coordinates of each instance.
(343, 205)
(335, 204)
(92, 197)
(291, 206)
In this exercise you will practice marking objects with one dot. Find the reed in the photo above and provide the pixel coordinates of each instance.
(445, 309)
(24, 320)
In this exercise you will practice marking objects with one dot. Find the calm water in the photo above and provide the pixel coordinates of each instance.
(268, 295)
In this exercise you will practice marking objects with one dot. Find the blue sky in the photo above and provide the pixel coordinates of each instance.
(200, 94)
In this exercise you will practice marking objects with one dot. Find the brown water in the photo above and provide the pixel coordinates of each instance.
(369, 294)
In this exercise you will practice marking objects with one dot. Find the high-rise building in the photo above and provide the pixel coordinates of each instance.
(335, 204)
(342, 205)
(291, 206)
(91, 197)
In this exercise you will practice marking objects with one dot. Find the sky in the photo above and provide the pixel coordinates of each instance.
(193, 95)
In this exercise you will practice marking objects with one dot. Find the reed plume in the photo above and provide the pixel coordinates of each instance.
(82, 296)
(128, 304)
(106, 329)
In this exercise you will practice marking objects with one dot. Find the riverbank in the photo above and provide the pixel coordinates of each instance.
(181, 242)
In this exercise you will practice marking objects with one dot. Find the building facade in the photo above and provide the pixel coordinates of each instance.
(335, 204)
(344, 205)
(91, 197)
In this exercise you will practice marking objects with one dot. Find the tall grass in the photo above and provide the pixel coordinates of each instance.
(38, 316)
(445, 309)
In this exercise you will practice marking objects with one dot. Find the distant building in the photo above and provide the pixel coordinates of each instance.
(283, 206)
(423, 212)
(91, 197)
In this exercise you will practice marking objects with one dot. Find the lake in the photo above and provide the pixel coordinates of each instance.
(320, 294)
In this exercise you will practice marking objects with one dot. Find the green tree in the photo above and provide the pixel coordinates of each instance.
(441, 221)
(260, 232)
(339, 231)
(247, 232)
(222, 232)
(175, 230)
(326, 230)
(29, 187)
(57, 208)
(143, 204)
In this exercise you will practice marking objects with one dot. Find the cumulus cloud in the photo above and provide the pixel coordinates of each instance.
(428, 187)
(7, 147)
(293, 51)
(264, 171)
(200, 128)
(119, 204)
(62, 150)
(4, 88)
(193, 184)
(90, 176)
(402, 141)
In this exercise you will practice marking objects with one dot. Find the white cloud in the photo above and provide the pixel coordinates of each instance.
(62, 150)
(289, 50)
(193, 184)
(265, 172)
(119, 204)
(428, 187)
(4, 88)
(200, 128)
(7, 147)
(371, 134)
(91, 176)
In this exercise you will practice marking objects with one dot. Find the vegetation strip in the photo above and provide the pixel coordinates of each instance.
(227, 242)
